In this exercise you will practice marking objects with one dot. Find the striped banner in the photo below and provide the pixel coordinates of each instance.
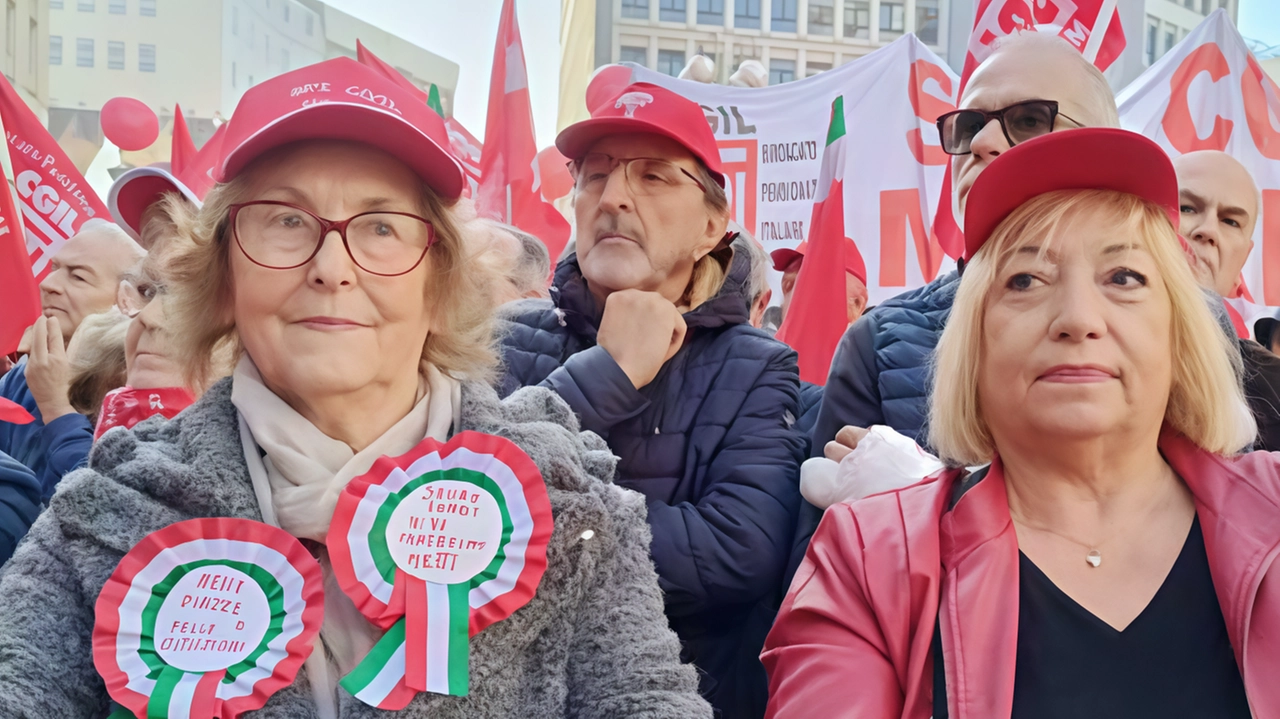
(436, 545)
(206, 618)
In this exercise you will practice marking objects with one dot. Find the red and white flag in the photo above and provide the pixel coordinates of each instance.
(1091, 26)
(54, 201)
(818, 315)
(510, 188)
(197, 172)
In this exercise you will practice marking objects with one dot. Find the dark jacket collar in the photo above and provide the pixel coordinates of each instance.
(581, 313)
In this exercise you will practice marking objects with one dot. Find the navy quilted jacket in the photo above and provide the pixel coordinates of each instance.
(710, 443)
(879, 375)
(880, 372)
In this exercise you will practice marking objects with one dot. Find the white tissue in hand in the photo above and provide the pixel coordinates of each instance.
(883, 461)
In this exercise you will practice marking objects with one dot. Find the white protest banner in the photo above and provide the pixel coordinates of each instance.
(1209, 93)
(771, 142)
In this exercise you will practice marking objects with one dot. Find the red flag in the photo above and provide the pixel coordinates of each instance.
(197, 174)
(819, 311)
(366, 57)
(510, 189)
(19, 296)
(183, 149)
(14, 413)
(53, 196)
(1073, 20)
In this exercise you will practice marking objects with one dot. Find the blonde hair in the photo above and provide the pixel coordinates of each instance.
(1206, 403)
(461, 340)
(98, 364)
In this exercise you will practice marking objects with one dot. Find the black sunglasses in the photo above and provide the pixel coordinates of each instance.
(1020, 122)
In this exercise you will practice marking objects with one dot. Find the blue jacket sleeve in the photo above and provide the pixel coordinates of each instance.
(731, 546)
(19, 504)
(852, 392)
(65, 443)
(597, 390)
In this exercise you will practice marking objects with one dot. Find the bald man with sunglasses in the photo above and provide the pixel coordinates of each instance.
(1031, 85)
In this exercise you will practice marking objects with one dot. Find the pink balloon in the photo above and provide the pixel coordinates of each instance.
(129, 124)
(606, 83)
(553, 170)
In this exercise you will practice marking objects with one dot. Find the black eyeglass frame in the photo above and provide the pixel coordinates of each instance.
(625, 162)
(327, 226)
(987, 117)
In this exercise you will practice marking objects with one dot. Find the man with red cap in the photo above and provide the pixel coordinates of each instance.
(647, 338)
(788, 262)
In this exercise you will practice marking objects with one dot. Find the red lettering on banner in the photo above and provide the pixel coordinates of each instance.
(738, 160)
(1271, 247)
(927, 107)
(1257, 111)
(1178, 124)
(900, 210)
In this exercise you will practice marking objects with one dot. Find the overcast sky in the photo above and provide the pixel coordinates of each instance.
(465, 31)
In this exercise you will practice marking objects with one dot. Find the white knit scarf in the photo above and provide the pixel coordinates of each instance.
(299, 479)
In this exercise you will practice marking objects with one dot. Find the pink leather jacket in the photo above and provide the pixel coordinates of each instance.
(853, 637)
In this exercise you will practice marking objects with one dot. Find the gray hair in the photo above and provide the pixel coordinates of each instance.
(758, 282)
(532, 264)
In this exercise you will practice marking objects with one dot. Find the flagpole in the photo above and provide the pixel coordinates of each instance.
(1100, 26)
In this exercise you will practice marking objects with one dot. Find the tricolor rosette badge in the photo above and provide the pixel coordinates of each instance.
(434, 546)
(207, 618)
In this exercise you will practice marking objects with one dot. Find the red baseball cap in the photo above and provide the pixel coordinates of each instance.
(136, 190)
(853, 263)
(341, 99)
(645, 107)
(1095, 158)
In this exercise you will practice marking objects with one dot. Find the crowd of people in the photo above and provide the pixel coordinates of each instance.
(1098, 544)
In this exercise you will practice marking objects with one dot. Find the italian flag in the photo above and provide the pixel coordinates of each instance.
(818, 315)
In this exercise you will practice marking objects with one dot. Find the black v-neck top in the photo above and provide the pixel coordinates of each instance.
(1173, 660)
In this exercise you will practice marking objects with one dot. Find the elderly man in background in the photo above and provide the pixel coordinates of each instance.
(788, 262)
(83, 279)
(1219, 203)
(521, 259)
(647, 338)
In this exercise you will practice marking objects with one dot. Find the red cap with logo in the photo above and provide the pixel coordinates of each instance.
(853, 263)
(136, 190)
(1095, 158)
(341, 99)
(645, 107)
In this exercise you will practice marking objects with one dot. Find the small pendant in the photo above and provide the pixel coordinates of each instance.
(1094, 558)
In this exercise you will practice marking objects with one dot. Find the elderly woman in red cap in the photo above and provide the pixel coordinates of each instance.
(331, 254)
(1114, 558)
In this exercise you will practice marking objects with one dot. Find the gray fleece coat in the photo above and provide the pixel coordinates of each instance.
(593, 642)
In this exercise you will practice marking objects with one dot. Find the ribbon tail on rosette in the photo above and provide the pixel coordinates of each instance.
(437, 625)
(185, 695)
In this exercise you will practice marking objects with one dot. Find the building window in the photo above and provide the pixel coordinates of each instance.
(284, 59)
(55, 49)
(638, 55)
(710, 12)
(33, 44)
(1153, 31)
(857, 19)
(1206, 7)
(784, 16)
(286, 12)
(1170, 38)
(55, 4)
(1189, 4)
(813, 68)
(635, 8)
(746, 14)
(117, 7)
(11, 32)
(84, 5)
(822, 17)
(671, 10)
(311, 24)
(927, 21)
(147, 8)
(115, 55)
(146, 58)
(891, 18)
(84, 52)
(781, 71)
(670, 62)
